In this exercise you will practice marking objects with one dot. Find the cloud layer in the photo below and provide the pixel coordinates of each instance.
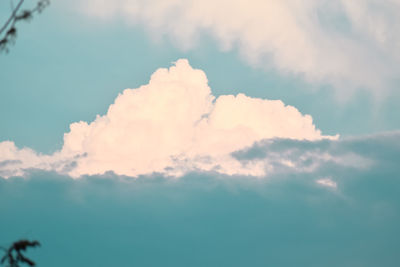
(337, 213)
(349, 44)
(172, 125)
(326, 203)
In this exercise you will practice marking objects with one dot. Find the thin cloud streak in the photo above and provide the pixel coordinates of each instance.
(347, 44)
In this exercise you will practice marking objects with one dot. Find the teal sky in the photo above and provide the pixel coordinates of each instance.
(66, 67)
(172, 174)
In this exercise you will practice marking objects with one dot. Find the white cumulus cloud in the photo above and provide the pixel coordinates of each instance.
(172, 125)
(175, 122)
(349, 44)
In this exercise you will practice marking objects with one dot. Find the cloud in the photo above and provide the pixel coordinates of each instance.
(209, 219)
(14, 160)
(327, 182)
(172, 125)
(349, 44)
(325, 196)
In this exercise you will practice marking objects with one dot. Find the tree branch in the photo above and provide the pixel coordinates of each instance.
(12, 17)
(9, 27)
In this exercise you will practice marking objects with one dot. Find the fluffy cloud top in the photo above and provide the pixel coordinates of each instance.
(349, 44)
(172, 125)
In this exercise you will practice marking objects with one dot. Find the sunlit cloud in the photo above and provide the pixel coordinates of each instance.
(172, 125)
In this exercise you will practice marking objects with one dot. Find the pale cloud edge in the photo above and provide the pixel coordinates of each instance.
(347, 44)
(327, 182)
(172, 125)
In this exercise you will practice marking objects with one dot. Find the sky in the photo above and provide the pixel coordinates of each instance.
(212, 133)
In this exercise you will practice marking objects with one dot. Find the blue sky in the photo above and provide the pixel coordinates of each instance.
(301, 160)
(69, 60)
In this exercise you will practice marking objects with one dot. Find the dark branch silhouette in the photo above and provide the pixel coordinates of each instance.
(14, 256)
(8, 32)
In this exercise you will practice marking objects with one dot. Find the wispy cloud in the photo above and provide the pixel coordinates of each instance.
(327, 182)
(348, 44)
